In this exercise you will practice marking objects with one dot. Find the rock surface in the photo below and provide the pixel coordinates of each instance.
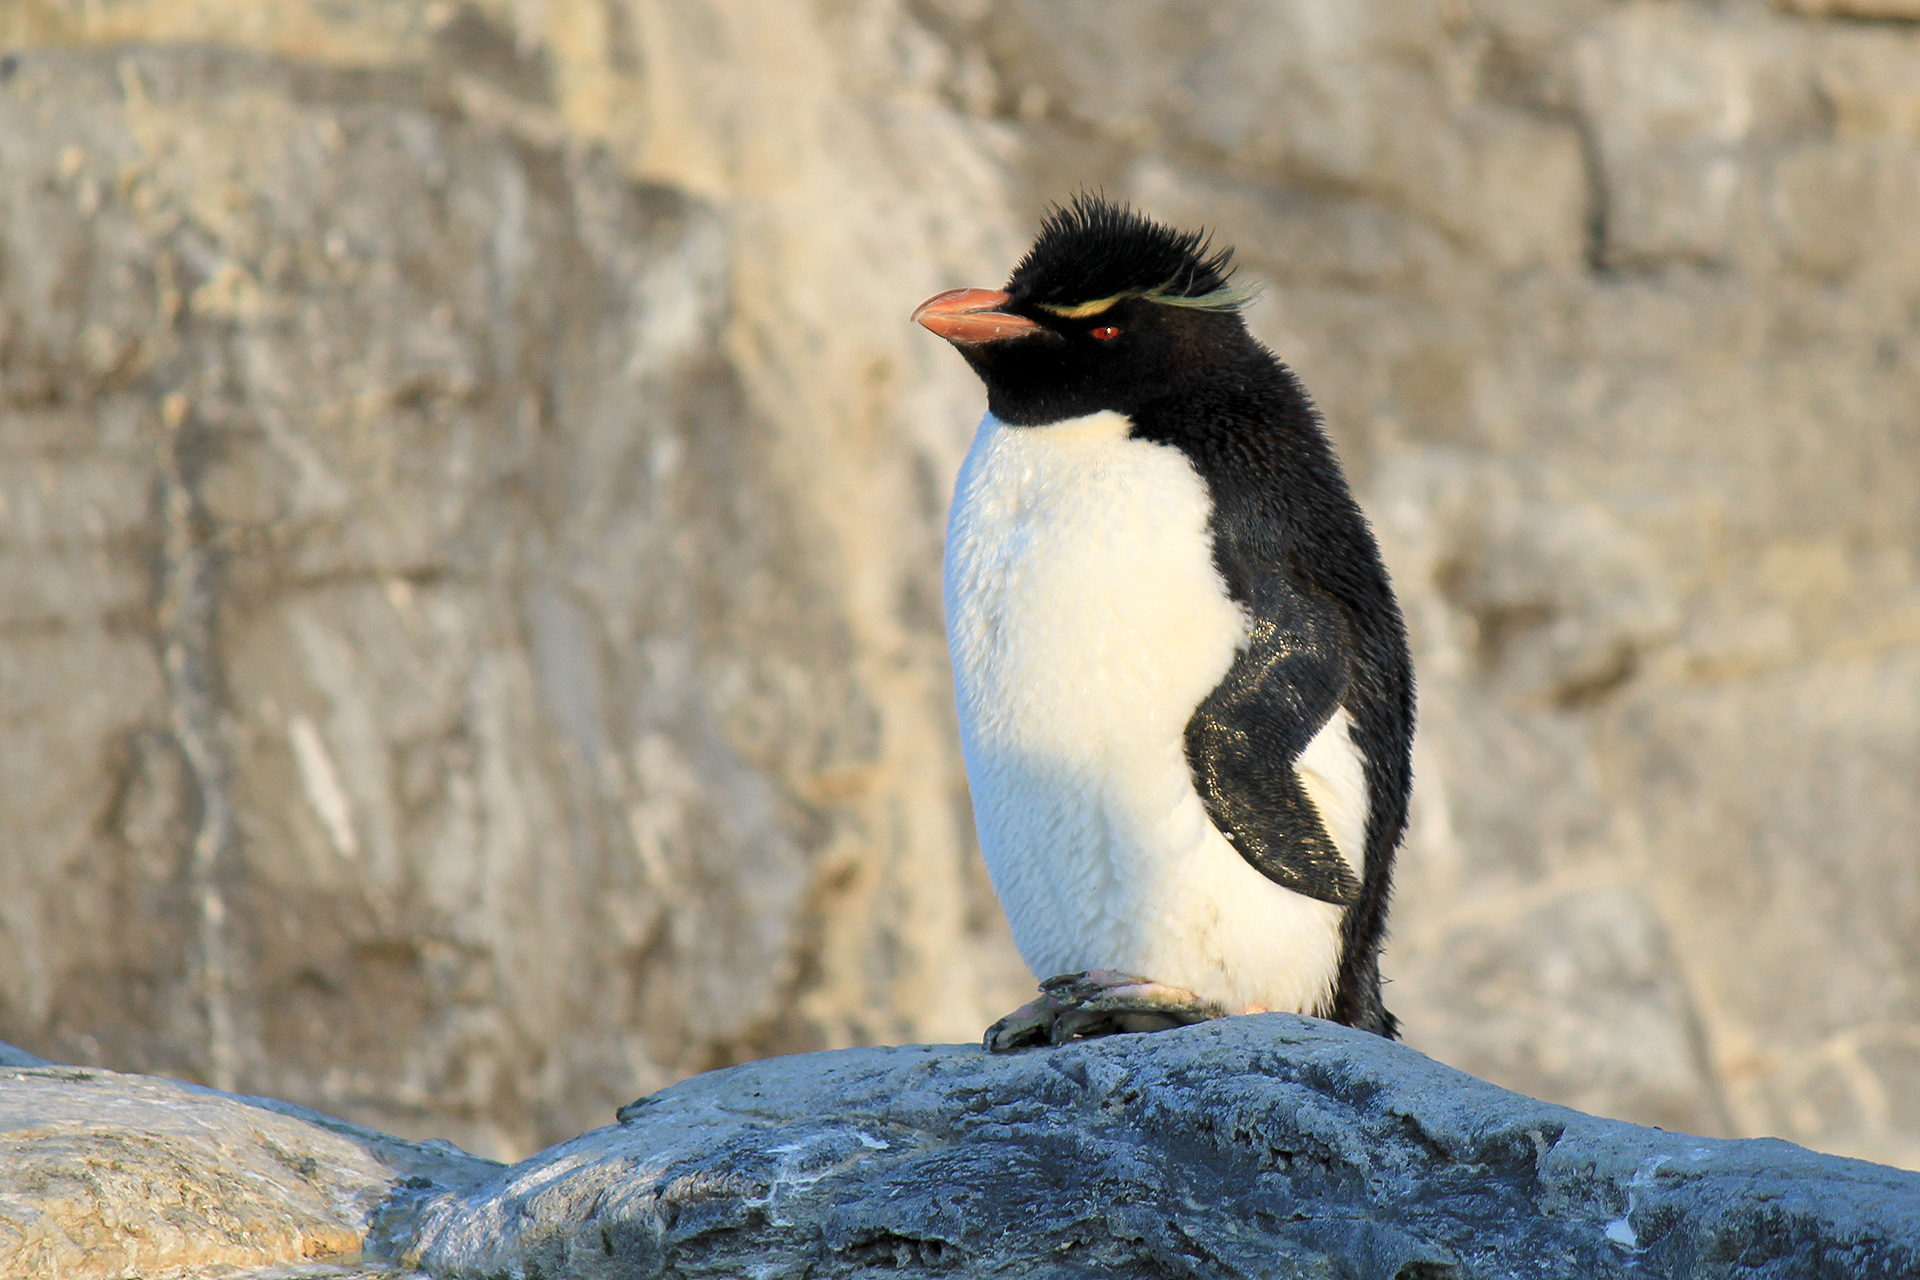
(470, 504)
(108, 1175)
(1270, 1146)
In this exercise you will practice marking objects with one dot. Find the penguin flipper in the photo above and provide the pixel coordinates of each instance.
(1243, 740)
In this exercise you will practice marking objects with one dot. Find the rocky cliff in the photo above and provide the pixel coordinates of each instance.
(470, 502)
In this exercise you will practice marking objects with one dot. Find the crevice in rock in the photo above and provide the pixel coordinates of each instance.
(1593, 687)
(1855, 13)
(187, 619)
(1599, 198)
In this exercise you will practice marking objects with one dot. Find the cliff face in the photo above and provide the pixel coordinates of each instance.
(472, 506)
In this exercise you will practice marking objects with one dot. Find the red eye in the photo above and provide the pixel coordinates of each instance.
(1106, 332)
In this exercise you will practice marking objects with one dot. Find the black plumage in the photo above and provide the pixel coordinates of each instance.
(1093, 249)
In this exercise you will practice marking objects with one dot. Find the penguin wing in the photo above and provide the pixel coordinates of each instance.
(1243, 740)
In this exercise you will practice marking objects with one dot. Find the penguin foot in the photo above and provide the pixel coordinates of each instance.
(1098, 1002)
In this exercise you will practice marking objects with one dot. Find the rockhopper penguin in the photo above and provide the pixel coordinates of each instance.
(1185, 699)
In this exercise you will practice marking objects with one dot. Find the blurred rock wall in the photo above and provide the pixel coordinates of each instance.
(472, 504)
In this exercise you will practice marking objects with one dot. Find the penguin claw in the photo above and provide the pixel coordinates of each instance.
(1097, 1002)
(1027, 1025)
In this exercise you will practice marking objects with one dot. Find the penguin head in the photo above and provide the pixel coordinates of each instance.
(1108, 310)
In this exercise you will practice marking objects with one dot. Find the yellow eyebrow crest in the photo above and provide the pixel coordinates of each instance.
(1228, 297)
(1081, 310)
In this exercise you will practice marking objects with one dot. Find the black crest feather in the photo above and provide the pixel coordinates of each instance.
(1092, 248)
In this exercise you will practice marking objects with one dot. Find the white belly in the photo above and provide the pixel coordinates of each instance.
(1086, 622)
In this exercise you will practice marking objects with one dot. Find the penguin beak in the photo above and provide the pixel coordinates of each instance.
(966, 316)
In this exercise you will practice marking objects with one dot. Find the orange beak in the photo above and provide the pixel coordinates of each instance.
(966, 316)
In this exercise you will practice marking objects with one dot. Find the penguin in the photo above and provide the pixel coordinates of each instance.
(1184, 691)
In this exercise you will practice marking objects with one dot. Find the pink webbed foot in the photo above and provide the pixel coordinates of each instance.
(1098, 1002)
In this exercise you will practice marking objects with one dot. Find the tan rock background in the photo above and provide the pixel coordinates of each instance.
(472, 499)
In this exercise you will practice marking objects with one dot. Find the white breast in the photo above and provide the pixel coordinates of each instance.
(1087, 621)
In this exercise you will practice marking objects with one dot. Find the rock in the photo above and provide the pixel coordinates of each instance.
(14, 1056)
(1272, 1146)
(1260, 1146)
(107, 1175)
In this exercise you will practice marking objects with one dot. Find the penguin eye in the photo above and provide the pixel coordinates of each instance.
(1106, 332)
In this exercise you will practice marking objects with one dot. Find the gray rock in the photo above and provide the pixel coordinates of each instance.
(1261, 1146)
(14, 1056)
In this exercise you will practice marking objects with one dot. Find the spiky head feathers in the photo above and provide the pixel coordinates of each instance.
(1091, 253)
